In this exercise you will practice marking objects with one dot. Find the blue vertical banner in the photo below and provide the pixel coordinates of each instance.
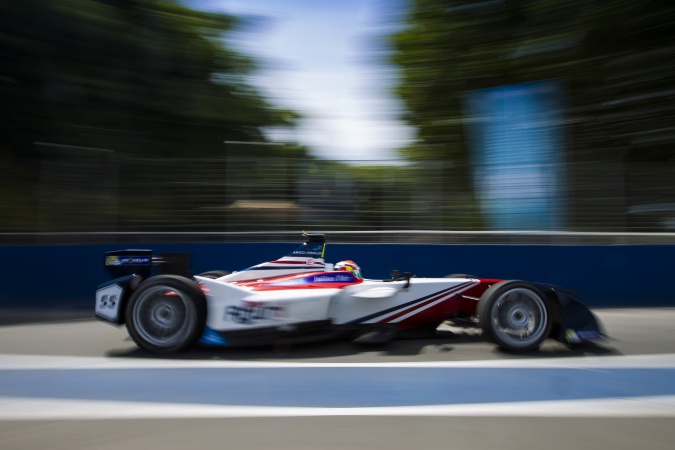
(516, 139)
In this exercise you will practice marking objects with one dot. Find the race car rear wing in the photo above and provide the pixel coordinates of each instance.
(141, 262)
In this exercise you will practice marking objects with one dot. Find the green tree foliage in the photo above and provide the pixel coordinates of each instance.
(91, 90)
(615, 60)
(147, 77)
(607, 53)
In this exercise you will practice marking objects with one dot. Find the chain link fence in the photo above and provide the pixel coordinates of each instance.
(163, 195)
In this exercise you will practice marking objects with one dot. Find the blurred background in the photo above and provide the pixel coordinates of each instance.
(211, 116)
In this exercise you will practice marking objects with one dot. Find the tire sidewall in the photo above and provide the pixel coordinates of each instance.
(486, 303)
(197, 312)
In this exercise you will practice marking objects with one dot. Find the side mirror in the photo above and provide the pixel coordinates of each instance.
(407, 276)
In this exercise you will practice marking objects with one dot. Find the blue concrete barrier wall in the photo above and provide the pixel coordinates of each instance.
(65, 277)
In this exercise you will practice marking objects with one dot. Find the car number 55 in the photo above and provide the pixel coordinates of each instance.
(108, 302)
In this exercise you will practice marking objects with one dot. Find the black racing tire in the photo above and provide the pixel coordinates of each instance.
(166, 314)
(213, 274)
(515, 315)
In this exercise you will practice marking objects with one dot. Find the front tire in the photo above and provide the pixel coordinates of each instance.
(515, 315)
(167, 313)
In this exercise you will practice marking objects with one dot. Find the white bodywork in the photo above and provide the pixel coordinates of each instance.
(232, 307)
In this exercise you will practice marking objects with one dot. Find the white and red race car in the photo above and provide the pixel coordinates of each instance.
(301, 298)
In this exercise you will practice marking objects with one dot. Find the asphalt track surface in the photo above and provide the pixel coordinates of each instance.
(85, 385)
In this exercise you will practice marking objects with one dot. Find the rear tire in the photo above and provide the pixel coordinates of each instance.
(167, 313)
(515, 315)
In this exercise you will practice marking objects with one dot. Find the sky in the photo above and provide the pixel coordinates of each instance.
(319, 60)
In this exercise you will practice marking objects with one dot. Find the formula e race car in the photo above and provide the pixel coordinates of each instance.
(301, 298)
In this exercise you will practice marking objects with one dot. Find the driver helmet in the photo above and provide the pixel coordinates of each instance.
(348, 266)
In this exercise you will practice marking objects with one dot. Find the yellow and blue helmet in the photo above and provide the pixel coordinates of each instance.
(348, 266)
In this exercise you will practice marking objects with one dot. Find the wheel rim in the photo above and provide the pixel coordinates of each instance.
(163, 316)
(519, 317)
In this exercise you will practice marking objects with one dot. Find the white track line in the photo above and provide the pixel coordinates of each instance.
(47, 409)
(46, 362)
